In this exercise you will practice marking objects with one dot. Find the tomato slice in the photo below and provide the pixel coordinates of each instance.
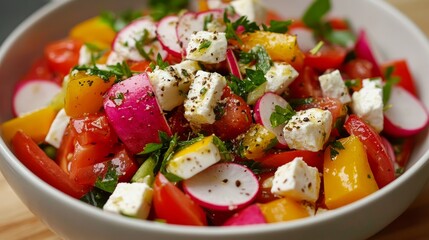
(172, 205)
(274, 160)
(63, 55)
(401, 70)
(378, 158)
(328, 57)
(93, 128)
(29, 153)
(306, 85)
(66, 149)
(40, 70)
(358, 69)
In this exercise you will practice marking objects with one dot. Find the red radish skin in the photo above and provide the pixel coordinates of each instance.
(248, 216)
(223, 187)
(31, 95)
(232, 63)
(125, 41)
(166, 34)
(264, 107)
(406, 115)
(134, 113)
(363, 49)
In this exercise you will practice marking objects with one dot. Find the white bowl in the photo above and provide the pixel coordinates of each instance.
(394, 35)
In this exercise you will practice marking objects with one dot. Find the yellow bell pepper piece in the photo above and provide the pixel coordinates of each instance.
(283, 209)
(94, 31)
(84, 94)
(257, 140)
(280, 47)
(347, 175)
(35, 124)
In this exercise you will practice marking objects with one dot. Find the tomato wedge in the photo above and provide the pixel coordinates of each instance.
(378, 158)
(306, 85)
(29, 153)
(401, 70)
(63, 55)
(313, 159)
(328, 57)
(173, 206)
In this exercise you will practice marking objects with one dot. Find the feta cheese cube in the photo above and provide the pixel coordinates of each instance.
(308, 129)
(207, 47)
(297, 180)
(194, 159)
(333, 86)
(279, 76)
(130, 199)
(205, 91)
(85, 55)
(186, 69)
(368, 103)
(253, 9)
(57, 129)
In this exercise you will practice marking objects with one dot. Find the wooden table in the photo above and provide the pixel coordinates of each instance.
(17, 222)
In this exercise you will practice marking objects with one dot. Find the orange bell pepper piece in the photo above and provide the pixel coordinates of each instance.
(283, 209)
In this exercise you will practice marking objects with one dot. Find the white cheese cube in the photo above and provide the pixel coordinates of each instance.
(57, 129)
(207, 47)
(333, 86)
(194, 159)
(297, 180)
(187, 69)
(253, 9)
(205, 91)
(130, 199)
(308, 129)
(368, 103)
(279, 76)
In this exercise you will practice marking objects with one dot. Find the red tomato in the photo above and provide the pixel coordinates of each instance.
(93, 128)
(336, 108)
(178, 123)
(306, 85)
(173, 206)
(401, 70)
(40, 70)
(29, 153)
(236, 118)
(378, 158)
(403, 150)
(63, 55)
(141, 66)
(339, 23)
(328, 57)
(265, 195)
(358, 69)
(66, 149)
(274, 160)
(88, 155)
(123, 163)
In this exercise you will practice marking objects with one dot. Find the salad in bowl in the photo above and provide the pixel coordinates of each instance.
(226, 115)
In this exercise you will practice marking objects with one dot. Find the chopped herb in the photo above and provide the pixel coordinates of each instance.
(140, 44)
(298, 102)
(120, 71)
(231, 27)
(314, 14)
(184, 144)
(162, 8)
(203, 91)
(254, 78)
(260, 56)
(281, 115)
(389, 83)
(399, 171)
(317, 48)
(96, 52)
(109, 181)
(96, 197)
(278, 26)
(223, 150)
(352, 83)
(117, 22)
(254, 166)
(160, 63)
(336, 146)
(150, 148)
(204, 44)
(207, 19)
(219, 110)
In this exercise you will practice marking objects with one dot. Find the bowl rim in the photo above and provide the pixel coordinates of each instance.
(85, 208)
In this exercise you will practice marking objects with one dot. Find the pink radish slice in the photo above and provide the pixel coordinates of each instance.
(166, 34)
(363, 49)
(32, 95)
(186, 25)
(305, 38)
(233, 64)
(223, 187)
(264, 107)
(134, 113)
(406, 116)
(125, 41)
(248, 216)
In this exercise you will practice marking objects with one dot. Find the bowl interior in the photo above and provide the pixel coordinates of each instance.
(26, 43)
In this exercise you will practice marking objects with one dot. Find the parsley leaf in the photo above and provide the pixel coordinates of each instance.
(109, 181)
(336, 146)
(96, 197)
(260, 55)
(162, 8)
(204, 44)
(95, 51)
(278, 26)
(159, 62)
(254, 78)
(389, 83)
(231, 27)
(315, 12)
(253, 165)
(281, 115)
(117, 22)
(120, 71)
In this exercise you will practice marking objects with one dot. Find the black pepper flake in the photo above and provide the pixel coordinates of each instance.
(237, 183)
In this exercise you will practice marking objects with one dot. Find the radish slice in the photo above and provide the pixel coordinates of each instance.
(406, 116)
(389, 149)
(134, 113)
(167, 36)
(305, 38)
(232, 63)
(32, 95)
(364, 50)
(125, 41)
(264, 107)
(223, 187)
(187, 25)
(248, 216)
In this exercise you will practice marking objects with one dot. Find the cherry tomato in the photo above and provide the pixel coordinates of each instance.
(40, 70)
(401, 70)
(378, 158)
(29, 153)
(173, 206)
(334, 105)
(236, 118)
(328, 57)
(178, 123)
(306, 85)
(66, 149)
(63, 55)
(277, 159)
(358, 69)
(93, 128)
(338, 23)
